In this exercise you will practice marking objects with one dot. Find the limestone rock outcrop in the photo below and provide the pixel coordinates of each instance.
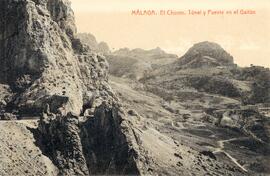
(95, 146)
(53, 75)
(42, 61)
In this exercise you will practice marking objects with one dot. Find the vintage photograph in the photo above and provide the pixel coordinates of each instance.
(134, 87)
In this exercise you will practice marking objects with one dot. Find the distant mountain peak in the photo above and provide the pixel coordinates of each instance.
(139, 52)
(91, 41)
(207, 54)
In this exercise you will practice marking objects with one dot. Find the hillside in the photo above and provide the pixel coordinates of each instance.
(137, 63)
(213, 101)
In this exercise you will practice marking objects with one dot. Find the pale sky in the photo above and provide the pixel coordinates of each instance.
(246, 37)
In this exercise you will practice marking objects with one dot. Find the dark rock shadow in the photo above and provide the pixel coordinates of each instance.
(105, 146)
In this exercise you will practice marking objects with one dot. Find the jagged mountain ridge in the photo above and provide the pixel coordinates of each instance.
(155, 53)
(136, 63)
(91, 41)
(130, 63)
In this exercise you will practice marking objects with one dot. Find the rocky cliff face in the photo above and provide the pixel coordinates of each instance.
(99, 145)
(50, 72)
(42, 60)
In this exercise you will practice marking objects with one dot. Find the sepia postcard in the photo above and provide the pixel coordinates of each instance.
(134, 87)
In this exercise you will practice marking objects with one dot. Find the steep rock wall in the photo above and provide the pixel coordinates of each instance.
(50, 72)
(42, 58)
